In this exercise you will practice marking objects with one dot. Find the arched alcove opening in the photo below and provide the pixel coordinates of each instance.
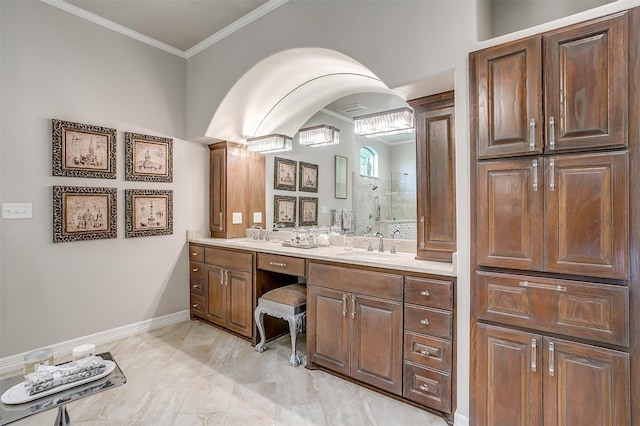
(281, 92)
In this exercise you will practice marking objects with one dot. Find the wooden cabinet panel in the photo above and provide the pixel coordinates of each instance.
(229, 259)
(196, 253)
(282, 264)
(435, 156)
(196, 269)
(428, 350)
(240, 291)
(428, 292)
(428, 321)
(376, 344)
(328, 328)
(217, 191)
(585, 85)
(585, 385)
(374, 283)
(217, 303)
(427, 387)
(509, 383)
(197, 285)
(509, 96)
(509, 216)
(598, 312)
(197, 305)
(587, 219)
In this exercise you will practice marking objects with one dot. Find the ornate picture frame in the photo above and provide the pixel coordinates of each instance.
(308, 211)
(284, 210)
(308, 177)
(84, 213)
(284, 174)
(148, 212)
(148, 158)
(83, 150)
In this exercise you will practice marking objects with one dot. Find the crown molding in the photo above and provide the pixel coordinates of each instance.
(60, 4)
(223, 33)
(235, 26)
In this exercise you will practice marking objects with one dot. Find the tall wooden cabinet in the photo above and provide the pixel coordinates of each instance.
(236, 189)
(555, 265)
(435, 165)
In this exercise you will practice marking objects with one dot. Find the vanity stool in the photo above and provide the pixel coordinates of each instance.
(288, 303)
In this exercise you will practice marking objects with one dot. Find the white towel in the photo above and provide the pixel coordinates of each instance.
(47, 377)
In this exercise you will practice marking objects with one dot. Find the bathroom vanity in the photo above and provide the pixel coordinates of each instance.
(386, 321)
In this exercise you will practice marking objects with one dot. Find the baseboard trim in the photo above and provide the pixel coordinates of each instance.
(15, 362)
(460, 420)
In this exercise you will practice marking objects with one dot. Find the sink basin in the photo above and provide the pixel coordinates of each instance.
(368, 255)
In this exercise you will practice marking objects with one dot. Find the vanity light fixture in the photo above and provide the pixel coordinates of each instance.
(270, 144)
(384, 123)
(321, 135)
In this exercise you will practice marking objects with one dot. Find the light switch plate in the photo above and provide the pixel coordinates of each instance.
(257, 217)
(236, 218)
(17, 210)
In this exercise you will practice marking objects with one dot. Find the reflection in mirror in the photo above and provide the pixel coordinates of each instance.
(340, 177)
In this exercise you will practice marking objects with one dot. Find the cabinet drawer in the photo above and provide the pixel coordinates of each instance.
(428, 321)
(428, 351)
(196, 285)
(229, 259)
(427, 387)
(284, 264)
(574, 308)
(196, 269)
(196, 253)
(197, 305)
(373, 283)
(428, 292)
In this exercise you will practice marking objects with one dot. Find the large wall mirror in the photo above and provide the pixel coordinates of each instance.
(377, 190)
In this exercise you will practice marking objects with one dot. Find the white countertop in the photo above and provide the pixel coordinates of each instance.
(357, 256)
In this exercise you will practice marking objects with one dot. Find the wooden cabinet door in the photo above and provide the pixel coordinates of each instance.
(585, 85)
(216, 310)
(509, 383)
(376, 343)
(329, 322)
(240, 290)
(217, 191)
(509, 96)
(587, 219)
(435, 150)
(510, 214)
(585, 385)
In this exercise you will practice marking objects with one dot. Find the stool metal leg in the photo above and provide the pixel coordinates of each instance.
(293, 330)
(259, 315)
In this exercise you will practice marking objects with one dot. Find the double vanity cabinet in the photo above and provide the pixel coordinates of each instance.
(555, 125)
(381, 325)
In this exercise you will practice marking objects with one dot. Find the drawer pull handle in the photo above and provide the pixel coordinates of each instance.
(424, 352)
(532, 134)
(196, 286)
(533, 355)
(542, 286)
(282, 265)
(551, 359)
(194, 270)
(424, 321)
(221, 228)
(195, 306)
(425, 293)
(535, 175)
(194, 254)
(424, 388)
(353, 307)
(421, 232)
(344, 305)
(552, 133)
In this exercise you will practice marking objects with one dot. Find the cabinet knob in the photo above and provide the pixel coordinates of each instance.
(196, 286)
(424, 352)
(194, 254)
(425, 293)
(424, 388)
(194, 270)
(195, 306)
(424, 321)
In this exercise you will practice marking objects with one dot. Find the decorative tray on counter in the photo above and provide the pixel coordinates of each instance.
(299, 245)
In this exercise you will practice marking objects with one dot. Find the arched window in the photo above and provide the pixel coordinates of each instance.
(368, 162)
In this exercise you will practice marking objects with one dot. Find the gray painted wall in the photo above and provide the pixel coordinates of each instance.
(57, 65)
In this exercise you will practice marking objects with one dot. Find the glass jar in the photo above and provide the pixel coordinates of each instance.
(323, 236)
(34, 359)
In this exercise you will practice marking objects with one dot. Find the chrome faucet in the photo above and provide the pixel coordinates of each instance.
(393, 234)
(380, 242)
(260, 235)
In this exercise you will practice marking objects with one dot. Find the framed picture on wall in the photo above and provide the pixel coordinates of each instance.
(308, 211)
(284, 174)
(148, 212)
(148, 158)
(83, 150)
(284, 210)
(84, 213)
(308, 177)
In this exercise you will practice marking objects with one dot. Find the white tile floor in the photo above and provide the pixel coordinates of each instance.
(194, 374)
